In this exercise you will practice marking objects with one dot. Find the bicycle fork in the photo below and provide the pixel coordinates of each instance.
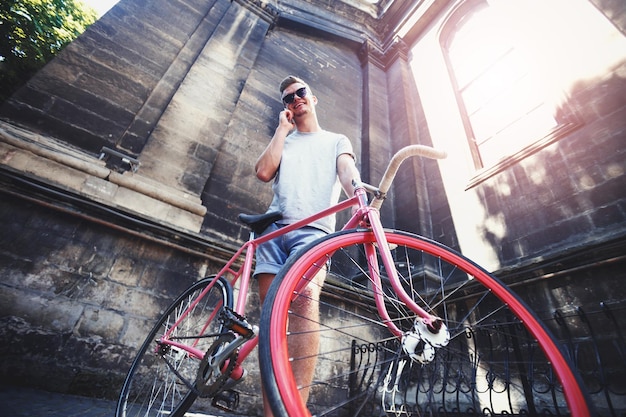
(429, 331)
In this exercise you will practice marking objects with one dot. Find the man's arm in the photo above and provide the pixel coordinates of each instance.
(347, 172)
(267, 164)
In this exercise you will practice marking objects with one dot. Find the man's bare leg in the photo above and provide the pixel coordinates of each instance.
(304, 342)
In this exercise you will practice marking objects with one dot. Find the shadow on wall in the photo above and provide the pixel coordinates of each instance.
(570, 193)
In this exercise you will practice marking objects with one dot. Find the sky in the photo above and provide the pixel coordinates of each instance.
(101, 6)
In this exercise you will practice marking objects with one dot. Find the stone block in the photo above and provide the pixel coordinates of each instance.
(135, 333)
(126, 270)
(99, 188)
(56, 314)
(134, 301)
(100, 322)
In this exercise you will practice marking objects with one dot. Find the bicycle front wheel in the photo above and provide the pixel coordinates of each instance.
(162, 379)
(336, 357)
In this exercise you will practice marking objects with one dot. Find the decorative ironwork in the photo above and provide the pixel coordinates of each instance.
(503, 371)
(596, 344)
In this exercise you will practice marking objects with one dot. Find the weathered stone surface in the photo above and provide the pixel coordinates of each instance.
(90, 257)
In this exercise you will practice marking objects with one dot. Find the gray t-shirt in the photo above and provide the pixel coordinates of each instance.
(307, 181)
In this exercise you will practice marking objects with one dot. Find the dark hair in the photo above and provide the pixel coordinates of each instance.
(290, 79)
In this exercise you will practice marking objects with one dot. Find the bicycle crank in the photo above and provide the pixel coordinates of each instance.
(217, 365)
(211, 378)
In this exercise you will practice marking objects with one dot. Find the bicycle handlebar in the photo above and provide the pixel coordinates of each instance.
(396, 161)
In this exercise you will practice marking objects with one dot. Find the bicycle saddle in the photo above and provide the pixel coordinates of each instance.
(259, 222)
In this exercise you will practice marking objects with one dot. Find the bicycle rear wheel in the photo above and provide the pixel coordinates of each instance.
(500, 358)
(161, 378)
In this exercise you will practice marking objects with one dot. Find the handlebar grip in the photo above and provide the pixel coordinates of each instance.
(417, 150)
(396, 161)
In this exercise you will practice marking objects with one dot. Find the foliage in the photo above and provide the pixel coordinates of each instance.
(32, 32)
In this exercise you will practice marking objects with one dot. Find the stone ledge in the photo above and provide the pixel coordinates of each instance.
(52, 162)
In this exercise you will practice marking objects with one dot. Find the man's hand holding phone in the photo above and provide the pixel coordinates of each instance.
(286, 118)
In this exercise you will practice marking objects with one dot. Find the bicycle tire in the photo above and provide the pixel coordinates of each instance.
(500, 359)
(151, 388)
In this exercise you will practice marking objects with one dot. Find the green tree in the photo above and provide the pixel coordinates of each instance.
(32, 32)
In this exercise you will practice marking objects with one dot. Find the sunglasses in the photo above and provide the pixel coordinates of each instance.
(289, 98)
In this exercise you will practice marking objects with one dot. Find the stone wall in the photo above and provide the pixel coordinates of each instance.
(79, 292)
(126, 160)
(186, 90)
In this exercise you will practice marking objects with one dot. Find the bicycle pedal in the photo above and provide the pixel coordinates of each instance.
(238, 323)
(226, 400)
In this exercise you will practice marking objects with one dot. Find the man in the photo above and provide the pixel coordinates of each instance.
(308, 166)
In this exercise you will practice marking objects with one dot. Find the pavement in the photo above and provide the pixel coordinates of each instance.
(28, 402)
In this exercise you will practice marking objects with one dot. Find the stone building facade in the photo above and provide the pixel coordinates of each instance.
(126, 160)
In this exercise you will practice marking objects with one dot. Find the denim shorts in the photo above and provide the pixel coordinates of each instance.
(273, 254)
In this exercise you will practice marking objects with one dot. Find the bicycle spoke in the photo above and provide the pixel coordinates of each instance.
(491, 364)
(161, 380)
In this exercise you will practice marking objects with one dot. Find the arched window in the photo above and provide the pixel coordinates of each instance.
(505, 105)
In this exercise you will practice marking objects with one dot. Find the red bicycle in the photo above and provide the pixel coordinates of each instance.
(406, 326)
